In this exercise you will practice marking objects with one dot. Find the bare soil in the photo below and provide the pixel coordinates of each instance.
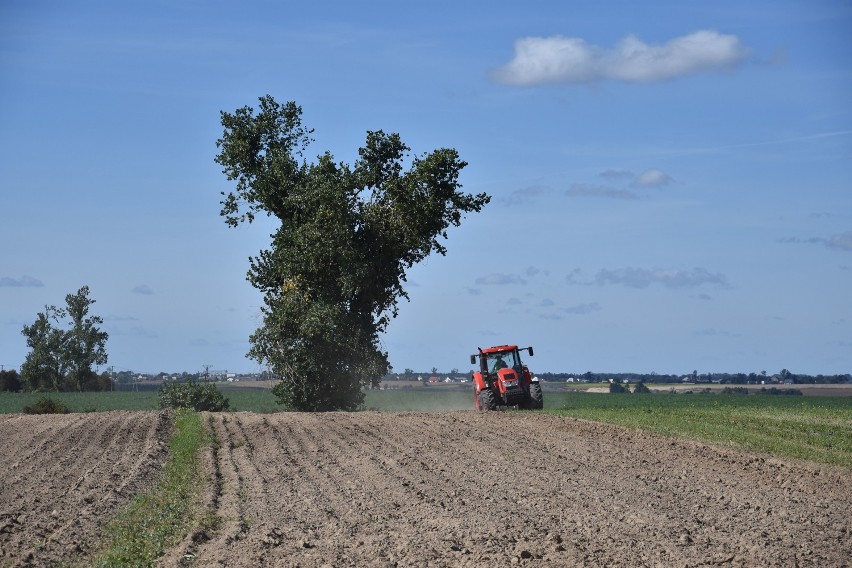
(497, 489)
(415, 489)
(63, 477)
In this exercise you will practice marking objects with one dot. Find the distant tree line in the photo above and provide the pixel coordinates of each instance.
(784, 376)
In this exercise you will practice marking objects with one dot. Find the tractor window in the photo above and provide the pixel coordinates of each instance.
(504, 360)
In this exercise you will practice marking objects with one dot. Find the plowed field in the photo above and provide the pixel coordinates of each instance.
(63, 477)
(495, 489)
(412, 489)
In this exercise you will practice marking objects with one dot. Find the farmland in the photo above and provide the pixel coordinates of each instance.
(452, 488)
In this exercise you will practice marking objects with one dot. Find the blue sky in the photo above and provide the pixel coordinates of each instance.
(671, 181)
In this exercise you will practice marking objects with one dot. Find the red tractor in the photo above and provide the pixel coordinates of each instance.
(503, 380)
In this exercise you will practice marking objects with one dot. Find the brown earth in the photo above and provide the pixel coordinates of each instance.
(496, 489)
(63, 477)
(415, 489)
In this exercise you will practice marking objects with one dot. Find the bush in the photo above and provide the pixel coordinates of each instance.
(46, 405)
(618, 388)
(641, 388)
(773, 390)
(734, 390)
(194, 395)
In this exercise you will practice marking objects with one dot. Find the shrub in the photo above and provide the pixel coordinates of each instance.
(734, 390)
(617, 388)
(46, 405)
(773, 390)
(641, 388)
(194, 395)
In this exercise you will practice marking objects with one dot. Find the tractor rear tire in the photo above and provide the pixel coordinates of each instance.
(485, 400)
(536, 397)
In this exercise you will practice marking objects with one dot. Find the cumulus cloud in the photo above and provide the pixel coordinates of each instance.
(711, 332)
(616, 174)
(499, 279)
(842, 241)
(560, 59)
(583, 309)
(585, 190)
(670, 277)
(22, 282)
(526, 195)
(644, 277)
(143, 289)
(652, 178)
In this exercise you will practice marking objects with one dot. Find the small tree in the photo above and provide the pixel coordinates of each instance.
(641, 388)
(199, 396)
(617, 388)
(63, 359)
(336, 269)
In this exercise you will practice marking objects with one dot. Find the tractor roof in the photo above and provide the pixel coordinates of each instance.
(499, 349)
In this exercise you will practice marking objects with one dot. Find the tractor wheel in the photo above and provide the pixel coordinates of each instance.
(536, 397)
(486, 401)
(475, 398)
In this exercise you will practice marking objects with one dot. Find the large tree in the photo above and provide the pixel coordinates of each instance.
(63, 359)
(336, 268)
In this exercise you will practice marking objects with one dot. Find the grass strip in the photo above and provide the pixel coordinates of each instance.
(814, 429)
(169, 510)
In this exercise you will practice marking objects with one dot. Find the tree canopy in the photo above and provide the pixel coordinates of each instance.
(62, 359)
(335, 271)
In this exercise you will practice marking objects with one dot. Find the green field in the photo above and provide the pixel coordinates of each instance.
(252, 399)
(811, 428)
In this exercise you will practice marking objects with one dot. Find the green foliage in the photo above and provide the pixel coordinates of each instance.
(159, 519)
(335, 271)
(788, 392)
(82, 401)
(63, 359)
(45, 405)
(617, 388)
(10, 381)
(641, 388)
(198, 396)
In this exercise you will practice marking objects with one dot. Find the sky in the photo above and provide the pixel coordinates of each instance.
(671, 181)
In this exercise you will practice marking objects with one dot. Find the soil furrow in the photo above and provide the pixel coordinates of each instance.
(62, 496)
(463, 488)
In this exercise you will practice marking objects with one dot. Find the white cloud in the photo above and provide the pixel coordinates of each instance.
(652, 178)
(670, 278)
(143, 289)
(585, 190)
(583, 309)
(22, 282)
(616, 174)
(526, 195)
(500, 279)
(559, 59)
(842, 241)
